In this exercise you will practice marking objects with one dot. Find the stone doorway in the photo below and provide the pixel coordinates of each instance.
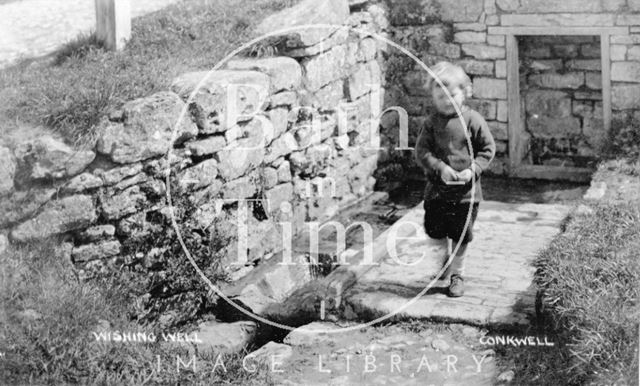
(521, 156)
(561, 96)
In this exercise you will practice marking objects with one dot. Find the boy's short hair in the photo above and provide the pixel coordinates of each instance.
(450, 75)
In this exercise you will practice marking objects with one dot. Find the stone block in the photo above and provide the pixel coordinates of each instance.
(148, 129)
(492, 20)
(239, 189)
(624, 96)
(96, 233)
(49, 158)
(490, 7)
(565, 50)
(593, 80)
(470, 37)
(199, 175)
(95, 251)
(213, 93)
(59, 216)
(82, 182)
(22, 204)
(590, 51)
(545, 126)
(325, 68)
(625, 72)
(502, 114)
(284, 98)
(588, 95)
(279, 118)
(448, 50)
(613, 5)
(113, 176)
(278, 195)
(281, 146)
(558, 19)
(365, 77)
(628, 19)
(582, 108)
(335, 36)
(572, 80)
(501, 69)
(537, 52)
(488, 88)
(269, 177)
(240, 157)
(508, 5)
(476, 67)
(285, 73)
(284, 172)
(367, 50)
(271, 350)
(625, 39)
(327, 98)
(633, 53)
(543, 65)
(548, 6)
(228, 338)
(476, 27)
(556, 104)
(122, 204)
(334, 12)
(461, 10)
(207, 146)
(496, 40)
(483, 51)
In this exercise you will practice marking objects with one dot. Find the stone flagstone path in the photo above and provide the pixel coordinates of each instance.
(499, 271)
(32, 28)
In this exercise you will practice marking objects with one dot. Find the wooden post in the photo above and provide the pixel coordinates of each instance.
(113, 23)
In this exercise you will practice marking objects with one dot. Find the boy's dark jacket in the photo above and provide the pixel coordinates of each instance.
(442, 141)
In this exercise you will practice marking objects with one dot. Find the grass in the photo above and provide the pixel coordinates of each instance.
(590, 275)
(46, 326)
(84, 82)
(48, 314)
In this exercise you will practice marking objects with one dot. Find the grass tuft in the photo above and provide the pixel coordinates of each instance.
(84, 82)
(590, 277)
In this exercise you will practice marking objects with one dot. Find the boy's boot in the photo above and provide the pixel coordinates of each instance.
(456, 288)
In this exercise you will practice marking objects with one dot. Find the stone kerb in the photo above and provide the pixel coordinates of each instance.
(285, 131)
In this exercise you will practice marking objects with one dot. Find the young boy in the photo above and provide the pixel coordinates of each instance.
(442, 150)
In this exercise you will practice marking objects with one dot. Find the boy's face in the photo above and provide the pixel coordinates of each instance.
(442, 101)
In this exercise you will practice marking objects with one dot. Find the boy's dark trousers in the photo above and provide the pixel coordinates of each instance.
(446, 220)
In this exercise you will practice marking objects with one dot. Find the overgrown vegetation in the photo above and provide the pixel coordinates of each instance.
(84, 82)
(590, 276)
(47, 322)
(624, 139)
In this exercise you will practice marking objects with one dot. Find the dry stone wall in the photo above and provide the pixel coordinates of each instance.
(273, 129)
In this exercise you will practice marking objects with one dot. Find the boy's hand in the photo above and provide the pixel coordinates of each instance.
(448, 174)
(466, 175)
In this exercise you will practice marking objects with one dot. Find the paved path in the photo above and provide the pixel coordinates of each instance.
(32, 28)
(499, 270)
